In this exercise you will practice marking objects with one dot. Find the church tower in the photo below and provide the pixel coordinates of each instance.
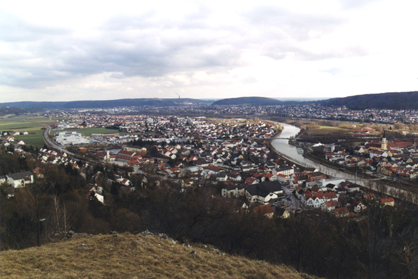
(384, 143)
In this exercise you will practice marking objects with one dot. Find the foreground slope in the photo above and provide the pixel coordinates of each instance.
(132, 256)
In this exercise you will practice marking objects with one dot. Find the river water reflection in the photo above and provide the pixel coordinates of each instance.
(282, 146)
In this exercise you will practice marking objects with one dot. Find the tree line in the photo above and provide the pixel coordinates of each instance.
(380, 244)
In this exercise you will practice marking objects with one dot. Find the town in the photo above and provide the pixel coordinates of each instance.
(209, 139)
(249, 184)
(232, 156)
(307, 111)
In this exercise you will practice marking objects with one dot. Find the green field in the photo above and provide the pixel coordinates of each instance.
(29, 124)
(325, 130)
(33, 125)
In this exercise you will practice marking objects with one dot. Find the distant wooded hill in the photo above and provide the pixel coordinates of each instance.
(392, 100)
(249, 101)
(10, 110)
(107, 103)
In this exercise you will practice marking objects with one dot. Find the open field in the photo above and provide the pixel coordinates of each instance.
(36, 139)
(133, 256)
(34, 126)
(23, 123)
(326, 130)
(29, 118)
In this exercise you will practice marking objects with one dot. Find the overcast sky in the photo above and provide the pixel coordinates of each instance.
(96, 50)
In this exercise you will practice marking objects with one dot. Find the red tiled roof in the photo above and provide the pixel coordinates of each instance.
(332, 203)
(330, 195)
(264, 209)
(387, 200)
(342, 210)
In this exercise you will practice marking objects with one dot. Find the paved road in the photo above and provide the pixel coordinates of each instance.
(294, 203)
(51, 143)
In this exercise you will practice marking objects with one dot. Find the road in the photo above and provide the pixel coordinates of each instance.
(294, 204)
(51, 143)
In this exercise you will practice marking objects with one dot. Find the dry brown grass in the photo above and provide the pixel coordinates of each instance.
(132, 256)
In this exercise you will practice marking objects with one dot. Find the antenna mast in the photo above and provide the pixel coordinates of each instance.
(179, 101)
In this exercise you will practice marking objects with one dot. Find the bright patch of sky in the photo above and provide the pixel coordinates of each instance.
(96, 50)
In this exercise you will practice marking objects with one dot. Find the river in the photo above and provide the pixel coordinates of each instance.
(288, 151)
(282, 146)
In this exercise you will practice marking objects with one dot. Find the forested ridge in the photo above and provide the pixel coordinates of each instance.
(249, 101)
(392, 100)
(380, 244)
(10, 110)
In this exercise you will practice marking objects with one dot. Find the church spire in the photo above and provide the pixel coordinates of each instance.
(384, 145)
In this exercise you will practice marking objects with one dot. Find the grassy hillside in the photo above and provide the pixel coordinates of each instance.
(132, 256)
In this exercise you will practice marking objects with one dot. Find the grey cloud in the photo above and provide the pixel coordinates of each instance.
(149, 46)
(354, 4)
(286, 31)
(250, 80)
(343, 53)
(117, 75)
(282, 50)
(297, 26)
(333, 71)
(128, 46)
(13, 29)
(289, 31)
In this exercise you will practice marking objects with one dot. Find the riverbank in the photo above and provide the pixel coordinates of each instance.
(281, 146)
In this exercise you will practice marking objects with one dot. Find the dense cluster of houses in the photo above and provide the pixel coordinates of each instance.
(49, 156)
(125, 157)
(312, 188)
(395, 158)
(229, 153)
(318, 111)
(246, 169)
(82, 118)
(160, 128)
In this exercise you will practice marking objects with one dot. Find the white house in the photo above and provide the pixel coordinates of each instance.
(358, 207)
(233, 191)
(20, 179)
(329, 206)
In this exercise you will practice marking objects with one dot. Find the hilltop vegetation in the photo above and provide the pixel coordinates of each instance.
(10, 111)
(393, 100)
(133, 256)
(140, 102)
(247, 101)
